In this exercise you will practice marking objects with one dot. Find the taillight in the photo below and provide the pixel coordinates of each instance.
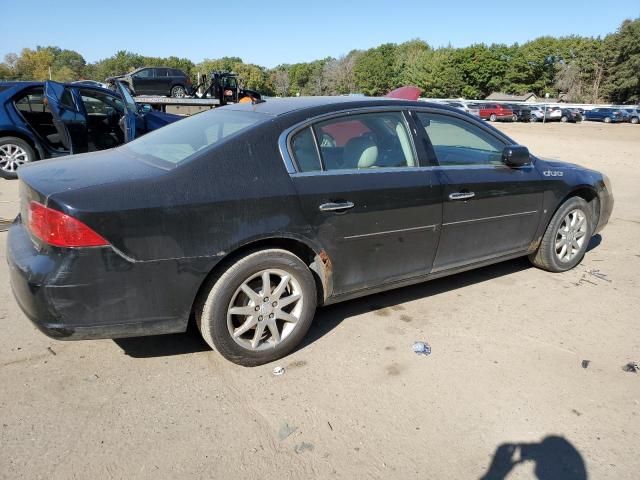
(61, 230)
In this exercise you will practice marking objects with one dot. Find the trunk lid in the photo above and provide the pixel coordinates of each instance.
(48, 177)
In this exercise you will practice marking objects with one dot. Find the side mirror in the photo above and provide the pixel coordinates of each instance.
(516, 156)
(146, 108)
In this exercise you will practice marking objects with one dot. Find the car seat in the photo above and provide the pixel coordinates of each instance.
(360, 152)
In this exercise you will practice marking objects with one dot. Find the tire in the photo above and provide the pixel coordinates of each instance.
(607, 119)
(564, 119)
(514, 118)
(634, 120)
(549, 255)
(13, 153)
(533, 119)
(178, 91)
(228, 291)
(493, 117)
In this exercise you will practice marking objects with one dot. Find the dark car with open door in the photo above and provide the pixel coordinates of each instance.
(41, 120)
(247, 217)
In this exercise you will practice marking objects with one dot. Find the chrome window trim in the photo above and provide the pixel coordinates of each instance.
(353, 171)
(284, 140)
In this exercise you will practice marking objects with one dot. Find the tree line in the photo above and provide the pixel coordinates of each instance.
(585, 69)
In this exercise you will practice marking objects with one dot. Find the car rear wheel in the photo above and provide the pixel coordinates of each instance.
(566, 239)
(493, 117)
(178, 91)
(564, 119)
(258, 309)
(607, 119)
(533, 119)
(634, 120)
(14, 152)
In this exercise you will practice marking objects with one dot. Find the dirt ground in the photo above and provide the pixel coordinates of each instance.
(503, 394)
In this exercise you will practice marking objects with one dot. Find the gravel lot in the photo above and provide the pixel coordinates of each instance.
(355, 402)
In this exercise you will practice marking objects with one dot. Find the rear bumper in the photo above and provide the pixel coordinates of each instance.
(73, 294)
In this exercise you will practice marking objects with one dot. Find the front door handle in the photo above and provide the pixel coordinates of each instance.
(461, 195)
(336, 206)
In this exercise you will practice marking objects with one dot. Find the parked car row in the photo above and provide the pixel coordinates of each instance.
(522, 112)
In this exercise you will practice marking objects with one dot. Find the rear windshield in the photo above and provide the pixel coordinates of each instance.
(179, 141)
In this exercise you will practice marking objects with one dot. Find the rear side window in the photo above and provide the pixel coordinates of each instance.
(32, 102)
(181, 140)
(364, 141)
(305, 152)
(459, 142)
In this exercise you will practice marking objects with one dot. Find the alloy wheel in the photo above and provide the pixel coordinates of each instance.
(265, 309)
(12, 156)
(571, 235)
(178, 92)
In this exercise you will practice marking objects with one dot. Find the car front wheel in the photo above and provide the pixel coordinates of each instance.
(259, 309)
(493, 117)
(634, 120)
(566, 239)
(607, 119)
(14, 152)
(564, 119)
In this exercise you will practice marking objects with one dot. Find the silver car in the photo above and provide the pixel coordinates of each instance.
(634, 115)
(465, 107)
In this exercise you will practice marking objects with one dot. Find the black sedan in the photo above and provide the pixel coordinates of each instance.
(247, 217)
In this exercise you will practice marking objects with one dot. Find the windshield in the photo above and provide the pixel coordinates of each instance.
(178, 141)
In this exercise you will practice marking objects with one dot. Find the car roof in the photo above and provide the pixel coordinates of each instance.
(282, 106)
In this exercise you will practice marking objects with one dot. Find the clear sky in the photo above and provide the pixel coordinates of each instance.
(270, 33)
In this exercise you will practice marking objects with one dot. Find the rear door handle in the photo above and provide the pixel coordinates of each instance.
(336, 206)
(461, 195)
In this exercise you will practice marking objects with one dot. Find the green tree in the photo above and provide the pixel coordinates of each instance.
(34, 64)
(623, 82)
(375, 71)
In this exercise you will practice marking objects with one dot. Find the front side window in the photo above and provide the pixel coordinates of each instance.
(458, 142)
(179, 141)
(146, 73)
(98, 103)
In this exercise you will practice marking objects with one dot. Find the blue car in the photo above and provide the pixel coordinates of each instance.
(604, 114)
(41, 120)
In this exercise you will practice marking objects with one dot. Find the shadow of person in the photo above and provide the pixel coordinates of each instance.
(554, 457)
